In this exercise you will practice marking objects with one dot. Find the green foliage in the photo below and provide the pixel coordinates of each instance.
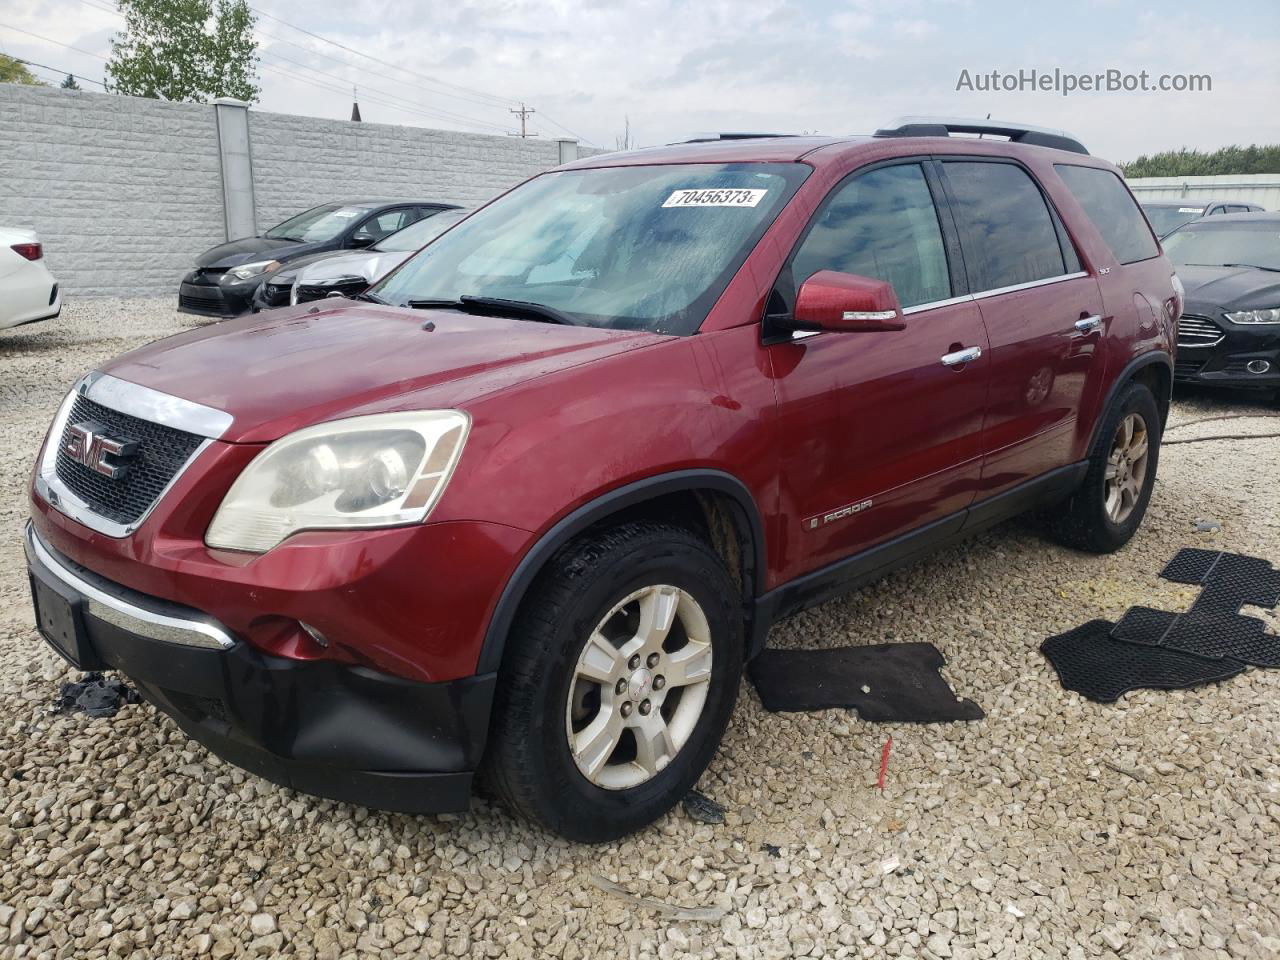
(185, 50)
(1197, 163)
(13, 70)
(70, 83)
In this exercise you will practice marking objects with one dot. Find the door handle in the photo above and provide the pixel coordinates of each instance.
(961, 356)
(1089, 324)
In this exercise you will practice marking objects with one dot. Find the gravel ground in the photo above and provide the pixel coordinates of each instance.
(1055, 828)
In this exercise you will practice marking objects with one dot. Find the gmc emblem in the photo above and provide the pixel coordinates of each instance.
(89, 444)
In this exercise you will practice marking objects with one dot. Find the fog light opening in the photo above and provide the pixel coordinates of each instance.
(1258, 366)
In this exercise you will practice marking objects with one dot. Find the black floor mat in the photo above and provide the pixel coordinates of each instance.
(884, 682)
(1091, 662)
(1213, 626)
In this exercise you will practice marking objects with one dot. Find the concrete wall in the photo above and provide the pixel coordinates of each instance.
(1260, 188)
(125, 192)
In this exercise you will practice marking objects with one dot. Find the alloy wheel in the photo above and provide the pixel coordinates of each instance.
(1126, 470)
(639, 687)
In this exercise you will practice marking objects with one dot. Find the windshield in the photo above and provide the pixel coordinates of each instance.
(639, 248)
(317, 224)
(1214, 243)
(418, 235)
(1164, 219)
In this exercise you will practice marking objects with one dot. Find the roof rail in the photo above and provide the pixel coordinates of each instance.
(716, 137)
(1016, 132)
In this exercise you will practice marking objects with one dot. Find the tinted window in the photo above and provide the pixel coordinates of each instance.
(881, 224)
(388, 222)
(1007, 229)
(1112, 210)
(421, 233)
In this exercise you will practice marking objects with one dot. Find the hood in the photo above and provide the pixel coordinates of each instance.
(249, 249)
(1229, 288)
(371, 265)
(290, 368)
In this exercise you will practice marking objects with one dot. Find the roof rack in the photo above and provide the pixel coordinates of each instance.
(715, 137)
(1016, 132)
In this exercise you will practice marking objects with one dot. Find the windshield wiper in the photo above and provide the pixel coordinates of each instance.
(433, 304)
(369, 298)
(526, 308)
(1254, 266)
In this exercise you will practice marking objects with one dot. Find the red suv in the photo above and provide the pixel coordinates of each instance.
(523, 509)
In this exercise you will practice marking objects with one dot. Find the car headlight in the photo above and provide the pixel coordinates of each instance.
(250, 270)
(1256, 316)
(383, 470)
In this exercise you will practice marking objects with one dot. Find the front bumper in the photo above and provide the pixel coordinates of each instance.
(215, 295)
(1227, 362)
(349, 733)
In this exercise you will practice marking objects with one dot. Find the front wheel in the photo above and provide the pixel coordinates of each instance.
(619, 678)
(1106, 511)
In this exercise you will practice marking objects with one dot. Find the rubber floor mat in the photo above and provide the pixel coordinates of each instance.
(1091, 662)
(884, 682)
(1213, 626)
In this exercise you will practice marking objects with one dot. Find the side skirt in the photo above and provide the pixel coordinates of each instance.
(870, 565)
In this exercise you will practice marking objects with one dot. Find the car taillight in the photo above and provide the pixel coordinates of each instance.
(32, 251)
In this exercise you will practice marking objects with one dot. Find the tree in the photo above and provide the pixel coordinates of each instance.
(1231, 160)
(70, 83)
(185, 50)
(13, 70)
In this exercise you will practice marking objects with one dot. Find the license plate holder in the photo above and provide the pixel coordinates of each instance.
(60, 622)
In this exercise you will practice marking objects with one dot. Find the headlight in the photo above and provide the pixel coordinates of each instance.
(1256, 316)
(383, 470)
(251, 270)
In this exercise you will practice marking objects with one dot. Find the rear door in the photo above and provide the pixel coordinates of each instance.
(1043, 315)
(877, 434)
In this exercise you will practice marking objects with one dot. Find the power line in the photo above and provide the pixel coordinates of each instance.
(504, 101)
(59, 70)
(56, 43)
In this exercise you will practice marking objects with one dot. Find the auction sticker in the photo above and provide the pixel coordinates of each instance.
(715, 198)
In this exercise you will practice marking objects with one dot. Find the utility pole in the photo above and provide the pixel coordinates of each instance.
(523, 113)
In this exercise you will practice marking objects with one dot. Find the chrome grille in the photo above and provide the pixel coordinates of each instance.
(1195, 331)
(162, 452)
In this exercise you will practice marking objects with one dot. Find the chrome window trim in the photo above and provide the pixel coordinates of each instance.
(997, 291)
(965, 298)
(129, 616)
(137, 401)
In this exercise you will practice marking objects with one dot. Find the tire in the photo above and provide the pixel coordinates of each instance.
(530, 764)
(1088, 521)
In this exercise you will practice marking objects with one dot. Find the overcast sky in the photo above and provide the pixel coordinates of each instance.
(679, 68)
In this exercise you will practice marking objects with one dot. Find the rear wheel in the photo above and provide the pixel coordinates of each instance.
(620, 675)
(1106, 511)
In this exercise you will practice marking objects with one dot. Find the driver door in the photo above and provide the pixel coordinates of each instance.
(880, 433)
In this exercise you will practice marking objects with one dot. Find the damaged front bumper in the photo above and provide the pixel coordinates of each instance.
(344, 732)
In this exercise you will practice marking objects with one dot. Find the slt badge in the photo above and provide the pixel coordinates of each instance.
(89, 444)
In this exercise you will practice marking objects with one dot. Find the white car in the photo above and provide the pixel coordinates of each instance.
(28, 291)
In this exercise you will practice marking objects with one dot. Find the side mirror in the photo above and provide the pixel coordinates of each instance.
(829, 300)
(359, 240)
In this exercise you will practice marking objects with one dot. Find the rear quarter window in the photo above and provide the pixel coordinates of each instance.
(1112, 210)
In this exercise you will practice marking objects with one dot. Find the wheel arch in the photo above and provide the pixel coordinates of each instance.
(715, 503)
(1153, 369)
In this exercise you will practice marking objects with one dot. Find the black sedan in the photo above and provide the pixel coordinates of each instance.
(1229, 334)
(225, 277)
(1167, 216)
